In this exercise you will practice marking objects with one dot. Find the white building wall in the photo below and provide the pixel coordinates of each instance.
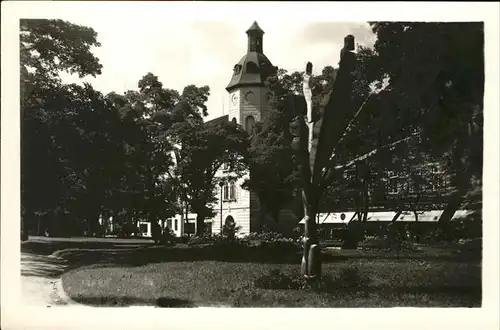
(239, 208)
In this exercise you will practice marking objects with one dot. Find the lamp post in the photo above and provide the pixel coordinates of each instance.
(221, 184)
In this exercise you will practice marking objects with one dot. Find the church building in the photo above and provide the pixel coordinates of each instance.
(249, 102)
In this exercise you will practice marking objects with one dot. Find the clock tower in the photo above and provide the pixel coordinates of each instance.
(249, 98)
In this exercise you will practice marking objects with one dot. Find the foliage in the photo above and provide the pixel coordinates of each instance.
(134, 156)
(274, 177)
(267, 240)
(435, 75)
(203, 149)
(49, 47)
(59, 123)
(168, 237)
(230, 230)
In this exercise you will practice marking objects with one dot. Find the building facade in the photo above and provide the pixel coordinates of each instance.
(249, 102)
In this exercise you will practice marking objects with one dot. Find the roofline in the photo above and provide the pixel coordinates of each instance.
(216, 119)
(229, 89)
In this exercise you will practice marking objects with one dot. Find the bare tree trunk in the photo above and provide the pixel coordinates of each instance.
(311, 263)
(415, 212)
(200, 224)
(444, 220)
(396, 216)
(417, 227)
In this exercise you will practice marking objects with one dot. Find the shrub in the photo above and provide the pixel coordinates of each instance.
(205, 239)
(168, 237)
(184, 239)
(215, 240)
(229, 231)
(271, 239)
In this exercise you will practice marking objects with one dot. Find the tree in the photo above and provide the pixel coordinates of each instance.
(181, 152)
(274, 178)
(339, 112)
(47, 48)
(435, 73)
(201, 151)
(147, 118)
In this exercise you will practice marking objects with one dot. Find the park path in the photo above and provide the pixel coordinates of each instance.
(41, 281)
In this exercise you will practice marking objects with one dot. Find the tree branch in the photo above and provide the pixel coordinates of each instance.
(374, 152)
(351, 123)
(332, 169)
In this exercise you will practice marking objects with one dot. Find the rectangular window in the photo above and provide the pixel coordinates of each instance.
(232, 191)
(169, 223)
(175, 224)
(143, 227)
(229, 191)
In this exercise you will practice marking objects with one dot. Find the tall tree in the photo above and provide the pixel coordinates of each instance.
(200, 150)
(47, 48)
(435, 73)
(182, 153)
(274, 178)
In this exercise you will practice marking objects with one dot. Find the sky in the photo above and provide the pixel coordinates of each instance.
(137, 40)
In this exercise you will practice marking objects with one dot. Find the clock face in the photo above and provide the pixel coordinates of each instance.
(234, 99)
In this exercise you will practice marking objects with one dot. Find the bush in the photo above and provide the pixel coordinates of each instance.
(205, 239)
(271, 239)
(168, 237)
(184, 239)
(229, 231)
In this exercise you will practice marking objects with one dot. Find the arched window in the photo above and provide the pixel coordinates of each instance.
(234, 120)
(252, 67)
(249, 124)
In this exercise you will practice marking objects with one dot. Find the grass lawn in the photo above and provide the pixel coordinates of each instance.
(211, 283)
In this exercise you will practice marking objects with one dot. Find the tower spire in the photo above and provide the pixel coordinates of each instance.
(255, 34)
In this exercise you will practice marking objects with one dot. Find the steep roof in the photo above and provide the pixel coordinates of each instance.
(252, 69)
(255, 28)
(218, 120)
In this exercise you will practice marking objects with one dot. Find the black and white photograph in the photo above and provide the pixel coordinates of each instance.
(170, 161)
